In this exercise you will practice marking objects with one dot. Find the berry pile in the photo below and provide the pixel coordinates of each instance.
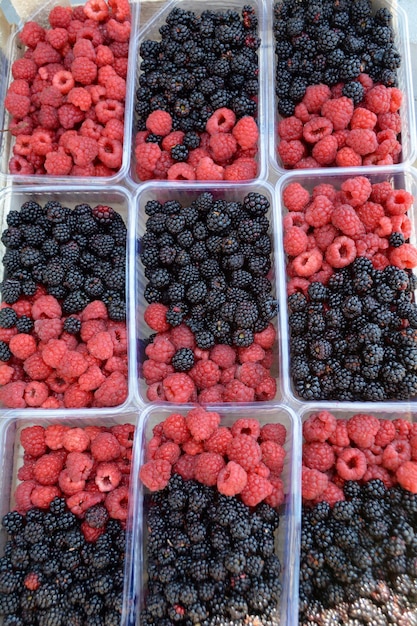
(208, 266)
(331, 42)
(330, 227)
(203, 73)
(89, 468)
(245, 460)
(329, 128)
(356, 338)
(67, 99)
(210, 558)
(51, 575)
(63, 336)
(224, 152)
(357, 561)
(360, 448)
(213, 513)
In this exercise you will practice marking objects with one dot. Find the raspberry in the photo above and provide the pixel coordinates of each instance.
(257, 489)
(221, 121)
(155, 317)
(363, 118)
(113, 391)
(246, 132)
(395, 454)
(172, 139)
(318, 455)
(291, 151)
(161, 350)
(222, 146)
(325, 150)
(362, 429)
(212, 395)
(356, 190)
(42, 496)
(181, 171)
(340, 437)
(185, 466)
(147, 155)
(274, 432)
(31, 581)
(378, 99)
(107, 476)
(91, 379)
(19, 165)
(246, 426)
(24, 69)
(48, 467)
(205, 374)
(362, 140)
(319, 426)
(201, 423)
(295, 197)
(406, 475)
(253, 353)
(241, 169)
(17, 105)
(90, 533)
(277, 496)
(404, 257)
(36, 393)
(398, 201)
(22, 496)
(251, 374)
(385, 434)
(228, 374)
(119, 32)
(295, 241)
(155, 474)
(236, 391)
(208, 170)
(169, 451)
(232, 479)
(370, 214)
(307, 263)
(83, 70)
(154, 372)
(58, 163)
(351, 464)
(60, 17)
(341, 252)
(82, 501)
(31, 34)
(101, 346)
(78, 466)
(22, 346)
(319, 211)
(193, 447)
(73, 366)
(32, 439)
(57, 37)
(345, 218)
(110, 152)
(6, 374)
(117, 500)
(207, 468)
(316, 129)
(339, 111)
(331, 494)
(244, 450)
(224, 356)
(313, 483)
(159, 123)
(273, 455)
(76, 440)
(315, 96)
(96, 10)
(290, 128)
(163, 164)
(219, 441)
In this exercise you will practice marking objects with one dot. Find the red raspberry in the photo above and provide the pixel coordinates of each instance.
(325, 150)
(6, 374)
(363, 118)
(91, 534)
(155, 474)
(222, 146)
(48, 467)
(24, 69)
(207, 468)
(370, 215)
(244, 450)
(91, 379)
(395, 454)
(339, 111)
(378, 99)
(117, 501)
(385, 434)
(105, 447)
(295, 197)
(208, 170)
(380, 192)
(212, 395)
(295, 241)
(60, 17)
(241, 169)
(205, 374)
(32, 581)
(48, 329)
(407, 476)
(362, 429)
(232, 479)
(154, 372)
(362, 140)
(356, 190)
(193, 447)
(315, 96)
(221, 121)
(318, 455)
(44, 53)
(110, 152)
(22, 345)
(17, 105)
(185, 466)
(78, 466)
(22, 496)
(57, 37)
(313, 483)
(403, 428)
(80, 97)
(273, 455)
(236, 391)
(172, 139)
(58, 163)
(96, 10)
(274, 432)
(345, 218)
(219, 441)
(266, 338)
(331, 495)
(257, 489)
(163, 164)
(161, 350)
(108, 109)
(291, 151)
(324, 236)
(340, 437)
(107, 476)
(155, 317)
(169, 451)
(94, 310)
(159, 123)
(31, 34)
(101, 346)
(404, 257)
(32, 439)
(76, 440)
(341, 252)
(246, 132)
(73, 366)
(83, 150)
(201, 423)
(319, 426)
(224, 356)
(316, 129)
(181, 171)
(319, 211)
(398, 201)
(42, 496)
(124, 434)
(307, 263)
(251, 374)
(114, 129)
(81, 501)
(84, 70)
(253, 353)
(277, 497)
(36, 393)
(113, 391)
(246, 426)
(351, 464)
(19, 165)
(147, 155)
(36, 368)
(290, 128)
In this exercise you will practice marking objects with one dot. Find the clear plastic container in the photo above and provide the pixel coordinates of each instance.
(15, 50)
(288, 532)
(12, 198)
(11, 458)
(406, 178)
(185, 193)
(152, 19)
(405, 83)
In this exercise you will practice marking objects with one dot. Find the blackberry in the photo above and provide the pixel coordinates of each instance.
(204, 339)
(10, 290)
(183, 360)
(354, 90)
(8, 317)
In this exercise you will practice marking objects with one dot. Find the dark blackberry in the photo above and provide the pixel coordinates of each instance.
(204, 339)
(75, 302)
(10, 290)
(183, 360)
(179, 152)
(353, 90)
(8, 317)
